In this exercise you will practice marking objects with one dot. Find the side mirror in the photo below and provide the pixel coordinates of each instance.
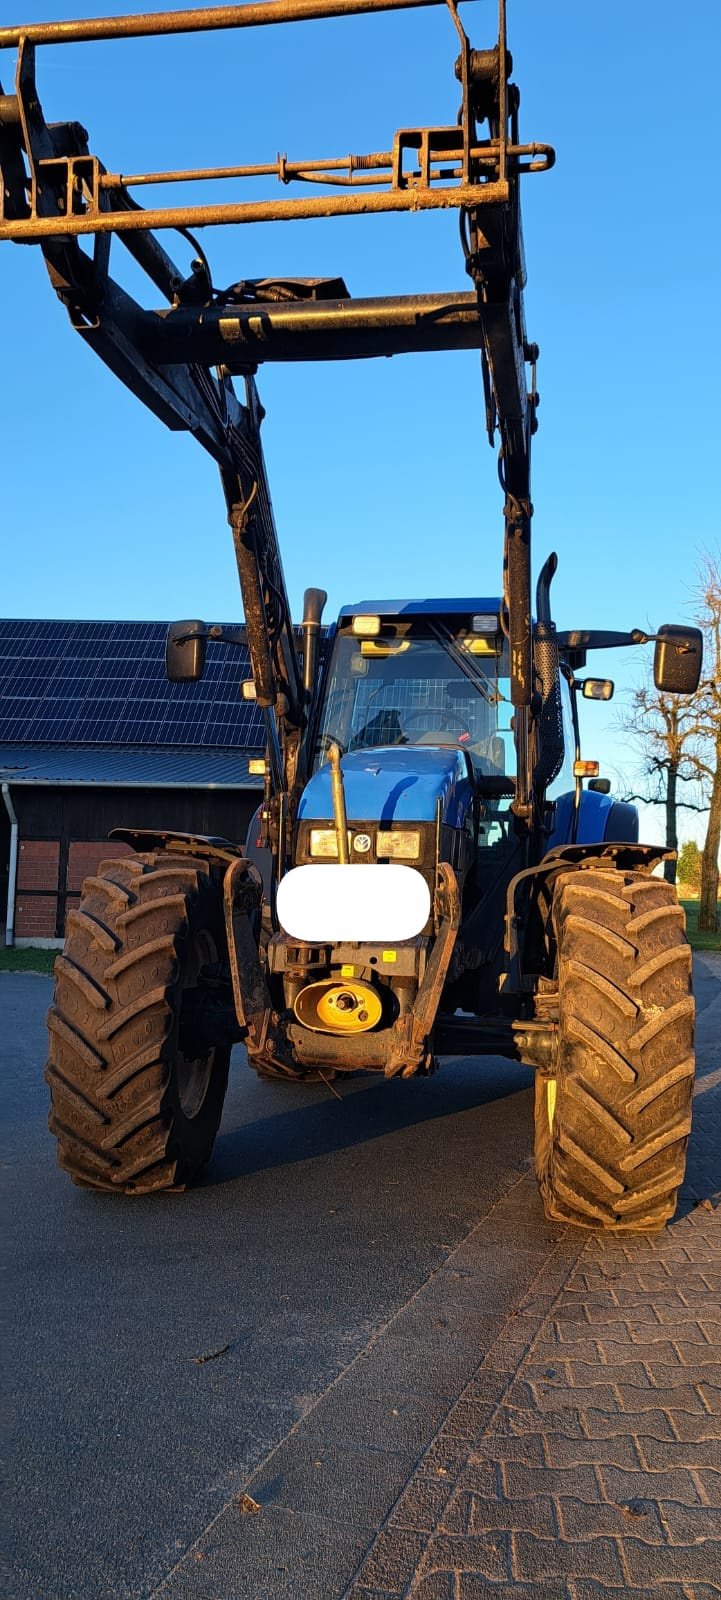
(185, 652)
(677, 659)
(597, 689)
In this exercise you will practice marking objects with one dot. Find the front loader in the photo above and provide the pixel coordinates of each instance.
(434, 870)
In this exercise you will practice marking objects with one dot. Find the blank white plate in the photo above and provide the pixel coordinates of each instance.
(326, 903)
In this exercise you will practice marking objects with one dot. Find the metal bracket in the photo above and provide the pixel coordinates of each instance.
(210, 846)
(242, 898)
(411, 1035)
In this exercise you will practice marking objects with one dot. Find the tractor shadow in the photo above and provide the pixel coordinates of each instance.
(702, 1183)
(283, 1129)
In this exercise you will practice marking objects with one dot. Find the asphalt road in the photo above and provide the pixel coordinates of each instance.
(319, 1221)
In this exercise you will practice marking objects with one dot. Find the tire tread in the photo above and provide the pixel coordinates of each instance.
(113, 1029)
(615, 1154)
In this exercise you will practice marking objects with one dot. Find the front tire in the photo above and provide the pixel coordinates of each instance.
(612, 1125)
(131, 1110)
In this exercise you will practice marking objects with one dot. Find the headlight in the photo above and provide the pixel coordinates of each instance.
(323, 842)
(399, 845)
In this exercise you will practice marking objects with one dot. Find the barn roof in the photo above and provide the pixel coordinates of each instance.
(92, 766)
(100, 684)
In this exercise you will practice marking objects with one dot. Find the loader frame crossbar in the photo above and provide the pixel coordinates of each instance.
(199, 19)
(71, 193)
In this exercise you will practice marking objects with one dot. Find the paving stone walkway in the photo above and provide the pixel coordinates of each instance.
(583, 1458)
(541, 1420)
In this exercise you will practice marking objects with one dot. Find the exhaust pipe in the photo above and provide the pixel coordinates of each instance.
(313, 603)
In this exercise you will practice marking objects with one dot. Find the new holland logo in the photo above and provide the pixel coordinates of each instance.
(362, 843)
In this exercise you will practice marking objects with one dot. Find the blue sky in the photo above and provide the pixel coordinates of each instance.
(382, 479)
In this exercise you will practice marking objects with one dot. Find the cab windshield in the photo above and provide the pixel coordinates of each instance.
(420, 682)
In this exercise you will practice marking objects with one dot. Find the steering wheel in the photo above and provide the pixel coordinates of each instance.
(438, 721)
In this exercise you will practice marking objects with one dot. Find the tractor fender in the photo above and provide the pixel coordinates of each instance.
(530, 893)
(210, 846)
(600, 818)
(216, 852)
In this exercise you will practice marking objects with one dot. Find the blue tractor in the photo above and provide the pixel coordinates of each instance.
(434, 870)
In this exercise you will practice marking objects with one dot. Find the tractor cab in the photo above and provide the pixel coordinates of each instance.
(415, 701)
(430, 673)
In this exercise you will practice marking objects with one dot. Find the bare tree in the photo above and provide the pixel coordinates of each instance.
(667, 729)
(709, 717)
(680, 737)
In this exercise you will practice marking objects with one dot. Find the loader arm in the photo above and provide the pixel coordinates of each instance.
(183, 394)
(181, 360)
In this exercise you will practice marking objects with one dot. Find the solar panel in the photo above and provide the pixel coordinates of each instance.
(104, 683)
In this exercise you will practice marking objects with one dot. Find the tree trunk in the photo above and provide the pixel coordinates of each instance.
(708, 898)
(669, 867)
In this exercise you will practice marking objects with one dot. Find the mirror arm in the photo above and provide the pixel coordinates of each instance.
(602, 639)
(222, 635)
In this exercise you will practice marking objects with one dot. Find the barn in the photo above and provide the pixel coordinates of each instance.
(93, 737)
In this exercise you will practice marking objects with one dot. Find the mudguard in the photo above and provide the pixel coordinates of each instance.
(524, 914)
(601, 818)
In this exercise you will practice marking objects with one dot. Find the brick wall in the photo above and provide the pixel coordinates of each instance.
(35, 916)
(38, 886)
(38, 861)
(85, 855)
(35, 912)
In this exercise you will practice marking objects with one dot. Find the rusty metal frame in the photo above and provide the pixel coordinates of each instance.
(71, 194)
(198, 19)
(56, 190)
(93, 220)
(84, 183)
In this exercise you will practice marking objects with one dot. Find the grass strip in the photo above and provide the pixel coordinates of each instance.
(703, 940)
(27, 960)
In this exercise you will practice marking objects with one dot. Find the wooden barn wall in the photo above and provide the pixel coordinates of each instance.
(58, 828)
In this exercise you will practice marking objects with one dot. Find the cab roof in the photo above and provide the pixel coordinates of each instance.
(422, 608)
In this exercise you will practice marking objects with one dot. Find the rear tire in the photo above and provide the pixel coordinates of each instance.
(130, 1111)
(612, 1126)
